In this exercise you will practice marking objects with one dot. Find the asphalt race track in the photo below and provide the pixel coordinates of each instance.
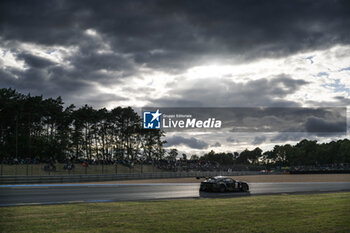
(11, 195)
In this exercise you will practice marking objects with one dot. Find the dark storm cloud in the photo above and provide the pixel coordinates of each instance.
(259, 119)
(231, 139)
(91, 62)
(31, 79)
(258, 140)
(216, 144)
(297, 136)
(210, 92)
(42, 22)
(54, 82)
(319, 125)
(283, 137)
(74, 83)
(35, 61)
(189, 142)
(190, 32)
(169, 36)
(310, 120)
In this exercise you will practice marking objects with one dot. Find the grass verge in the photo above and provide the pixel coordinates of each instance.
(280, 213)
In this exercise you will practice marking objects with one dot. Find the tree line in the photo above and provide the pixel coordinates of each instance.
(306, 152)
(35, 127)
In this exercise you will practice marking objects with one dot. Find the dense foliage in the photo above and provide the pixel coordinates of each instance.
(305, 152)
(34, 127)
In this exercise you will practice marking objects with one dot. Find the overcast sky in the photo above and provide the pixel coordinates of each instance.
(181, 53)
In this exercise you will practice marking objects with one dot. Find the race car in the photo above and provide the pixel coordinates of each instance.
(223, 184)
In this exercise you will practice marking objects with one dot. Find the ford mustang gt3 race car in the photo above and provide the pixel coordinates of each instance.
(223, 184)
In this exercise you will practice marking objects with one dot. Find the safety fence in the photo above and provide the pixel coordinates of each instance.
(73, 169)
(110, 177)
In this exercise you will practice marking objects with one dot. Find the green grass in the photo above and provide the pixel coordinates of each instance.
(280, 213)
(38, 169)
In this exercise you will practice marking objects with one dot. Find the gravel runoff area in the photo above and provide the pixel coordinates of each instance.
(249, 179)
